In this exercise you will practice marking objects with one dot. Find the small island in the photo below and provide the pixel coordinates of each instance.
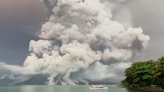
(148, 76)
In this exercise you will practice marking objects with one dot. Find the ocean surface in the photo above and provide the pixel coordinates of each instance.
(77, 88)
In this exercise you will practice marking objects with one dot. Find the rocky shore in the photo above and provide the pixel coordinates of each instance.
(154, 89)
(122, 86)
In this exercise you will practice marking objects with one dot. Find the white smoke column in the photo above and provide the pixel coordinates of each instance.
(77, 34)
(70, 58)
(120, 11)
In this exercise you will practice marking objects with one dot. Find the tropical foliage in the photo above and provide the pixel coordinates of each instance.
(159, 72)
(145, 73)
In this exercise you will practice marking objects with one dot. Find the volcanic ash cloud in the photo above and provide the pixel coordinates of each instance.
(80, 40)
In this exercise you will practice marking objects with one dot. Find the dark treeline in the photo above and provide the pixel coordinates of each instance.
(145, 73)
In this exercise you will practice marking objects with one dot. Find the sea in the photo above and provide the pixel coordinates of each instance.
(59, 88)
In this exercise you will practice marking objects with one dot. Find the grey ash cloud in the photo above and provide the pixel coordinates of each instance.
(83, 39)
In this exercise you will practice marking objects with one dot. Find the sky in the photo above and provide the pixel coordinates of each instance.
(148, 14)
(21, 20)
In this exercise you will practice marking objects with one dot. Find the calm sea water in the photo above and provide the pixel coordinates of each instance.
(77, 88)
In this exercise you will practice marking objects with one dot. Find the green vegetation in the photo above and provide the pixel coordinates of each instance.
(145, 73)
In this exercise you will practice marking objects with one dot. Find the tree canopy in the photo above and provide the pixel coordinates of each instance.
(145, 73)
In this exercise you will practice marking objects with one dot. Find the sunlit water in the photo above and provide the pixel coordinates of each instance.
(77, 88)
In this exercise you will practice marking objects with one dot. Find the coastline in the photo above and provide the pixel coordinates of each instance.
(122, 86)
(153, 89)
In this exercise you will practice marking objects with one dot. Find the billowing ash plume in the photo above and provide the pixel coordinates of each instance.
(80, 42)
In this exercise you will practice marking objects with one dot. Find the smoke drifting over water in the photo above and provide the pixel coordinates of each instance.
(80, 42)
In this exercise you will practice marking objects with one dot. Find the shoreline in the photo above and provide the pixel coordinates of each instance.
(153, 89)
